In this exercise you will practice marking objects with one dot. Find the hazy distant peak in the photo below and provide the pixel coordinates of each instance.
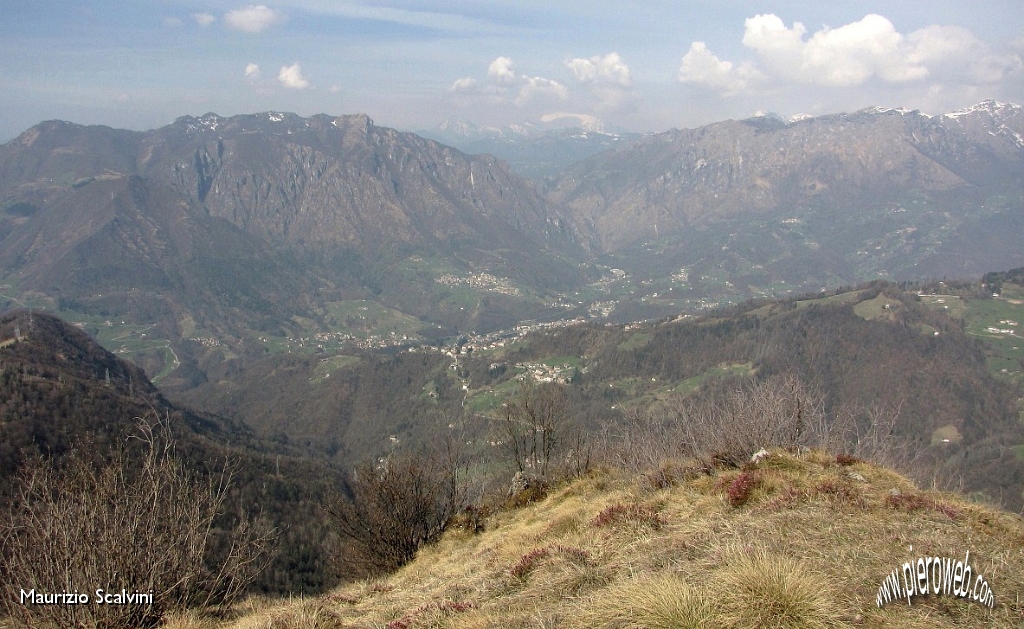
(888, 110)
(991, 107)
(207, 122)
(586, 122)
(761, 113)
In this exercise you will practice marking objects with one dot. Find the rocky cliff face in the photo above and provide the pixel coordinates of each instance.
(672, 181)
(295, 181)
(239, 227)
(331, 181)
(242, 223)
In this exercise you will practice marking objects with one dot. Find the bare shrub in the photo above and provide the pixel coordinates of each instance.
(393, 507)
(643, 440)
(141, 526)
(846, 459)
(669, 474)
(528, 562)
(910, 503)
(723, 429)
(729, 428)
(867, 433)
(431, 614)
(538, 428)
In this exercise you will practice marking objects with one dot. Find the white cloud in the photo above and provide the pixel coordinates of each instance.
(538, 86)
(254, 18)
(504, 84)
(334, 89)
(204, 19)
(291, 77)
(501, 70)
(843, 56)
(589, 122)
(609, 69)
(700, 66)
(847, 56)
(463, 84)
(446, 17)
(954, 53)
(608, 78)
(172, 22)
(252, 72)
(767, 33)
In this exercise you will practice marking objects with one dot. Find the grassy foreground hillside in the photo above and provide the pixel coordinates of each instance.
(795, 540)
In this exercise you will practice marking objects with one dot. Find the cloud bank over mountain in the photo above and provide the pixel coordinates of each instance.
(674, 64)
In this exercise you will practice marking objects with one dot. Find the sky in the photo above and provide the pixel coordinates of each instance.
(631, 66)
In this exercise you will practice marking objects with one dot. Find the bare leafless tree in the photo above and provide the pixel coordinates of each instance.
(536, 424)
(145, 527)
(730, 426)
(392, 507)
(775, 412)
(867, 432)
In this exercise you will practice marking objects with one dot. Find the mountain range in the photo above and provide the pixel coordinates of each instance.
(299, 294)
(229, 236)
(535, 151)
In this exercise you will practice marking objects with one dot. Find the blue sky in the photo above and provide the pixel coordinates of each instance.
(411, 64)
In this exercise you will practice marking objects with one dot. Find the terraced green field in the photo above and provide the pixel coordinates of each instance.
(327, 366)
(723, 370)
(998, 321)
(127, 340)
(488, 401)
(841, 298)
(878, 308)
(362, 318)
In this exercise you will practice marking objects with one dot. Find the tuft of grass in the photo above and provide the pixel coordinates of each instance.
(846, 459)
(668, 474)
(534, 492)
(307, 614)
(619, 514)
(739, 490)
(762, 590)
(528, 562)
(910, 503)
(661, 602)
(430, 615)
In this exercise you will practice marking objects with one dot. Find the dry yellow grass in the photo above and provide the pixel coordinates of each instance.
(809, 547)
(761, 590)
(665, 601)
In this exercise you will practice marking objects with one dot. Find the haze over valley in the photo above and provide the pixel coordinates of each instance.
(255, 265)
(308, 296)
(548, 328)
(215, 239)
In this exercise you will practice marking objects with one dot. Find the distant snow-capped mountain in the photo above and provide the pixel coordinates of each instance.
(534, 150)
